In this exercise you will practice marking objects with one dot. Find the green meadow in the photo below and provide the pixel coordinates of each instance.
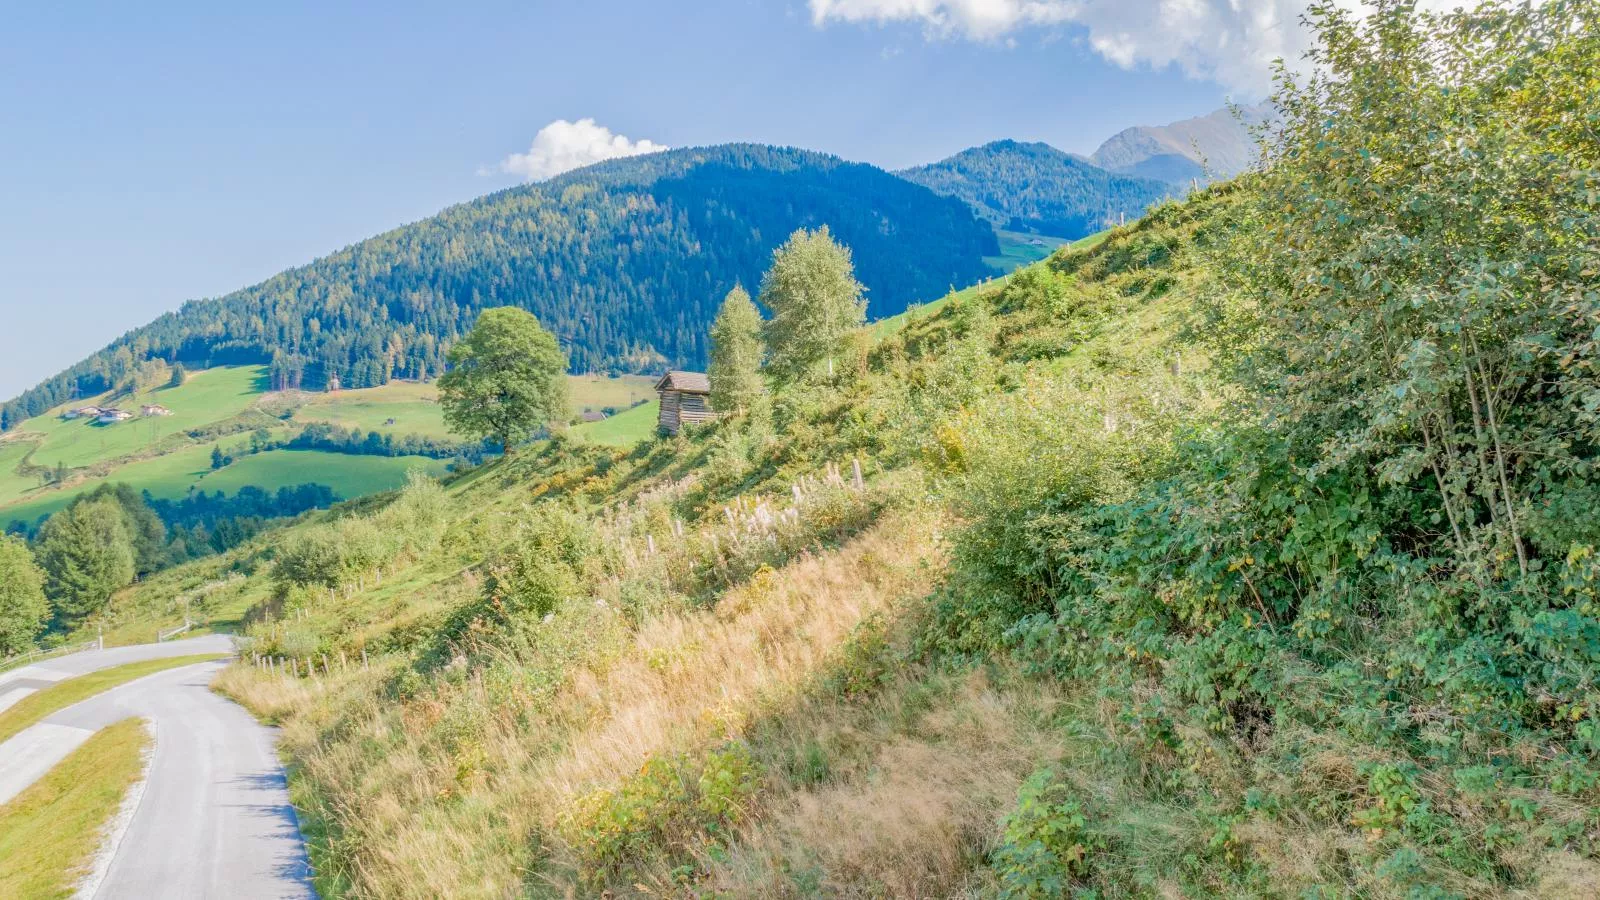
(204, 398)
(1018, 249)
(349, 476)
(620, 392)
(167, 476)
(623, 429)
(395, 408)
(12, 485)
(413, 408)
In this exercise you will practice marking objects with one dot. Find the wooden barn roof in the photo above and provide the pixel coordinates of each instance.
(687, 382)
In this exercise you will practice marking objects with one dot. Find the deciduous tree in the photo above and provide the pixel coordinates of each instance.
(812, 293)
(23, 608)
(507, 379)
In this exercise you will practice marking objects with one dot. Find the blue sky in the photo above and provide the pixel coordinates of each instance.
(154, 153)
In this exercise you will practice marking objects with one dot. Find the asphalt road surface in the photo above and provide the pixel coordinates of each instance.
(213, 817)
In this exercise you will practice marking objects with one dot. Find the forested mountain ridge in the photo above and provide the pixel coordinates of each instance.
(624, 261)
(1035, 188)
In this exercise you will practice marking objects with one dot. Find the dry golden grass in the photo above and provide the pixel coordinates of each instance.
(458, 790)
(917, 784)
(694, 675)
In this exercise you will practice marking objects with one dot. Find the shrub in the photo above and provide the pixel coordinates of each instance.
(1047, 843)
(674, 808)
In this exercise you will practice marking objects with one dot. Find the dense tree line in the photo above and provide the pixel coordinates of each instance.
(1038, 189)
(625, 262)
(107, 538)
(329, 438)
(210, 509)
(203, 523)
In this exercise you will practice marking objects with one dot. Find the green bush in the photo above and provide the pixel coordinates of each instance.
(675, 809)
(1047, 843)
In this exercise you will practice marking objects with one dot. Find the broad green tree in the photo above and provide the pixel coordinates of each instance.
(736, 351)
(87, 554)
(23, 608)
(507, 379)
(815, 300)
(1416, 295)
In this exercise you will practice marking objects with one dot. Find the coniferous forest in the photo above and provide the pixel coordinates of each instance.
(1035, 188)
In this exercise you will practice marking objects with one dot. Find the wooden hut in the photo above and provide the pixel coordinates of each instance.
(685, 400)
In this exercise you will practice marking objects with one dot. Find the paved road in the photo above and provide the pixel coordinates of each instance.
(19, 683)
(214, 818)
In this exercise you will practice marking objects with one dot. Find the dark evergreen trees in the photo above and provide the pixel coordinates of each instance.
(1038, 189)
(87, 553)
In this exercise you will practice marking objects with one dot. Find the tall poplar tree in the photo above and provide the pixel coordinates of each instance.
(736, 351)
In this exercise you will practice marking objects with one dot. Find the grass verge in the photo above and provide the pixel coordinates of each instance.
(35, 707)
(49, 833)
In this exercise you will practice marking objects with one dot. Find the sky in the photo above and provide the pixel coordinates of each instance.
(160, 152)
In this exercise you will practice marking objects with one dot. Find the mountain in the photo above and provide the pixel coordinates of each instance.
(626, 261)
(1205, 148)
(1035, 188)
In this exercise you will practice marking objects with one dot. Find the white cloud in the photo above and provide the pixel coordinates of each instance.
(563, 146)
(1230, 41)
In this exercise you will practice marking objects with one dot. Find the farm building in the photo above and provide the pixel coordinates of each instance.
(593, 415)
(685, 400)
(154, 409)
(83, 412)
(113, 416)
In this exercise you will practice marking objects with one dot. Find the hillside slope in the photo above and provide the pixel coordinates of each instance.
(625, 261)
(1247, 553)
(1035, 188)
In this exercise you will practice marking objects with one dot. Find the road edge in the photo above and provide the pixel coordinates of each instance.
(115, 830)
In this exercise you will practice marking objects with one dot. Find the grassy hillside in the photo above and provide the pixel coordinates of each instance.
(204, 398)
(624, 429)
(1018, 250)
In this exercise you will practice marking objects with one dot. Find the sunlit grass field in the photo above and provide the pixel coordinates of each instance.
(12, 485)
(1018, 250)
(597, 392)
(49, 832)
(167, 476)
(623, 429)
(349, 476)
(413, 407)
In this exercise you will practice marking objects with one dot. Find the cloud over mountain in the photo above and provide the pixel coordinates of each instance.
(563, 146)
